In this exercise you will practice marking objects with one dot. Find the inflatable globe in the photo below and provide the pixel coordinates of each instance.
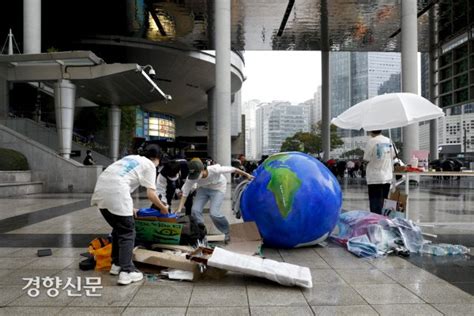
(294, 200)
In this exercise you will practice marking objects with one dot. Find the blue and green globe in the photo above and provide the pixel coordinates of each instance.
(294, 200)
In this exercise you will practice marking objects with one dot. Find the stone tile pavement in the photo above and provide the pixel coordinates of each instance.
(342, 283)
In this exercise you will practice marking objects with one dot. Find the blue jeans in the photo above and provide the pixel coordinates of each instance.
(217, 197)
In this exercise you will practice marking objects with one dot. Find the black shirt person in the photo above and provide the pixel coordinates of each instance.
(88, 160)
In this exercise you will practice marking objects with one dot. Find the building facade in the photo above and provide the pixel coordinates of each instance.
(358, 76)
(316, 109)
(249, 109)
(452, 73)
(278, 120)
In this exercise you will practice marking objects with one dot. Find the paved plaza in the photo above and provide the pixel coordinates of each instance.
(342, 283)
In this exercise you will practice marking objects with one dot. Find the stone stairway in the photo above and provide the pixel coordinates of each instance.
(14, 183)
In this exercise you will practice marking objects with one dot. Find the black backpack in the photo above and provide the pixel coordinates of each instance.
(87, 264)
(192, 231)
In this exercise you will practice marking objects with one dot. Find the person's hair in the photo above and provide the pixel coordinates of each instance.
(152, 152)
(171, 169)
(88, 152)
(240, 156)
(376, 132)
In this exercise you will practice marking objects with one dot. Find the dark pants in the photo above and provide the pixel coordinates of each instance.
(123, 239)
(188, 205)
(377, 193)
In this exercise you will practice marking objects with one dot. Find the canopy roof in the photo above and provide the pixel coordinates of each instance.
(96, 81)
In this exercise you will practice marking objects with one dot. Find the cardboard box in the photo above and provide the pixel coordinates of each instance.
(395, 205)
(168, 260)
(244, 238)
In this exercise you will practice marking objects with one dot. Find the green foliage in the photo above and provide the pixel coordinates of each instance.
(95, 121)
(127, 126)
(12, 160)
(91, 120)
(310, 143)
(52, 49)
(355, 153)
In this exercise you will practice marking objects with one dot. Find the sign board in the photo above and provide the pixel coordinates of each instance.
(158, 231)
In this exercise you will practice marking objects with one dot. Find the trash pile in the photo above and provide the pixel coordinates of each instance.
(163, 251)
(367, 234)
(191, 263)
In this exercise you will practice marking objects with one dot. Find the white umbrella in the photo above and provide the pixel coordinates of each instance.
(387, 111)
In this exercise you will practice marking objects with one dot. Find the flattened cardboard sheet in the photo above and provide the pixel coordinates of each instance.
(244, 238)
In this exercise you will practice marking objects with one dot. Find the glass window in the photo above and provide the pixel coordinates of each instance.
(446, 100)
(456, 110)
(445, 59)
(446, 73)
(461, 66)
(469, 108)
(461, 52)
(460, 81)
(446, 86)
(461, 96)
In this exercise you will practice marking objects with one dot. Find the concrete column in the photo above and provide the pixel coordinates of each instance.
(222, 123)
(114, 131)
(434, 154)
(325, 96)
(409, 39)
(64, 98)
(31, 26)
(4, 97)
(10, 42)
(211, 118)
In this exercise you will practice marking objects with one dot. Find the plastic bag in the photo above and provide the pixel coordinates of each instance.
(362, 247)
(101, 249)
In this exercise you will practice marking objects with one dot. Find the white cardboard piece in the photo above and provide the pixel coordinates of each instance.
(280, 272)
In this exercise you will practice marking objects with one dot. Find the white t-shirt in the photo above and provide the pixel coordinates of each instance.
(115, 185)
(161, 185)
(379, 153)
(214, 181)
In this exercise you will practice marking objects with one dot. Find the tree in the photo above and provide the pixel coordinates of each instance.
(127, 127)
(310, 142)
(354, 153)
(302, 141)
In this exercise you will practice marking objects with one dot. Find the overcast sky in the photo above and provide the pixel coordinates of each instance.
(281, 75)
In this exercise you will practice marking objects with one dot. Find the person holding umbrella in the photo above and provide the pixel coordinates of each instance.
(379, 154)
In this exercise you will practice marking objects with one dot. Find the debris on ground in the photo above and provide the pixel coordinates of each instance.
(188, 263)
(367, 234)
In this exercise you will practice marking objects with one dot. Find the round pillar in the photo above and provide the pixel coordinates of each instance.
(64, 98)
(114, 131)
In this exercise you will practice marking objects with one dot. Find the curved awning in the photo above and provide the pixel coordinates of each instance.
(97, 81)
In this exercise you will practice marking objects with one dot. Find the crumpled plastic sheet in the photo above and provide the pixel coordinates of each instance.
(353, 224)
(372, 235)
(362, 247)
(409, 232)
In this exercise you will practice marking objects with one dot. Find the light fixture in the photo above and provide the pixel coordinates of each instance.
(151, 71)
